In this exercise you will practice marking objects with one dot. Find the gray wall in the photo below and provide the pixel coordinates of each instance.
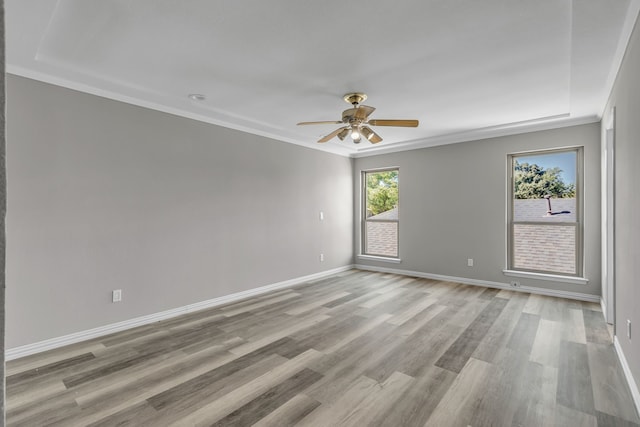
(625, 97)
(104, 195)
(453, 205)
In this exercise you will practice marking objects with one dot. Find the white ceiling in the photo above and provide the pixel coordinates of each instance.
(466, 69)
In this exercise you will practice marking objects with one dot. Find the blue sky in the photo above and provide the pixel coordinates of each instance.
(565, 161)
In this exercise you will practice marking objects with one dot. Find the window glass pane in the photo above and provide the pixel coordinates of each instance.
(544, 187)
(382, 238)
(381, 194)
(550, 248)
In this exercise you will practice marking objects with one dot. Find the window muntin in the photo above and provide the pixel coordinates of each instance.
(545, 212)
(380, 213)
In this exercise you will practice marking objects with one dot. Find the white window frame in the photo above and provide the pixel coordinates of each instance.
(578, 224)
(365, 220)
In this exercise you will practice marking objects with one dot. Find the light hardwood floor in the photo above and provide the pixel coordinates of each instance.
(355, 349)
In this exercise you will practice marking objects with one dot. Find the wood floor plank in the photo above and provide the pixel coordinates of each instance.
(260, 304)
(538, 409)
(489, 293)
(270, 400)
(344, 299)
(335, 412)
(194, 396)
(419, 351)
(386, 296)
(416, 404)
(564, 416)
(546, 345)
(51, 356)
(457, 407)
(48, 369)
(242, 395)
(574, 378)
(612, 421)
(504, 390)
(573, 326)
(47, 415)
(413, 310)
(177, 394)
(254, 345)
(303, 308)
(419, 320)
(461, 350)
(609, 385)
(500, 332)
(357, 348)
(290, 413)
(349, 362)
(368, 409)
(101, 402)
(34, 396)
(534, 304)
(152, 379)
(141, 410)
(595, 329)
(466, 314)
(352, 335)
(524, 333)
(50, 380)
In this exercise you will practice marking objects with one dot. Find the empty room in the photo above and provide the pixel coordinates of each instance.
(414, 213)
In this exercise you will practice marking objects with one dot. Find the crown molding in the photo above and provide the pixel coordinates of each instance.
(625, 35)
(548, 123)
(544, 123)
(339, 150)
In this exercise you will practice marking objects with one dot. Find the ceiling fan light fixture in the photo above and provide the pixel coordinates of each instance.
(355, 134)
(367, 133)
(343, 134)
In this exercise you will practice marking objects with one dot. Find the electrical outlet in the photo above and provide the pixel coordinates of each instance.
(629, 328)
(470, 262)
(116, 295)
(515, 284)
(321, 257)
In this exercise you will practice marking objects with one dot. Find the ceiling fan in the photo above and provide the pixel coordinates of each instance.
(357, 122)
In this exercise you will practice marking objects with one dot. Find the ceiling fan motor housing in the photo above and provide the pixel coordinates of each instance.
(348, 115)
(355, 98)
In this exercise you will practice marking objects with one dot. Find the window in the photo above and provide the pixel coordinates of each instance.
(380, 211)
(545, 212)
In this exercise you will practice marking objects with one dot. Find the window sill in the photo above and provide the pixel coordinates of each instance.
(380, 258)
(546, 276)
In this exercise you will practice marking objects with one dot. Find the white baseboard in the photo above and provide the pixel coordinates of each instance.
(530, 289)
(633, 386)
(38, 347)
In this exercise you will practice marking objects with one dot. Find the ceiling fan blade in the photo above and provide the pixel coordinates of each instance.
(333, 122)
(333, 134)
(363, 111)
(370, 134)
(400, 123)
